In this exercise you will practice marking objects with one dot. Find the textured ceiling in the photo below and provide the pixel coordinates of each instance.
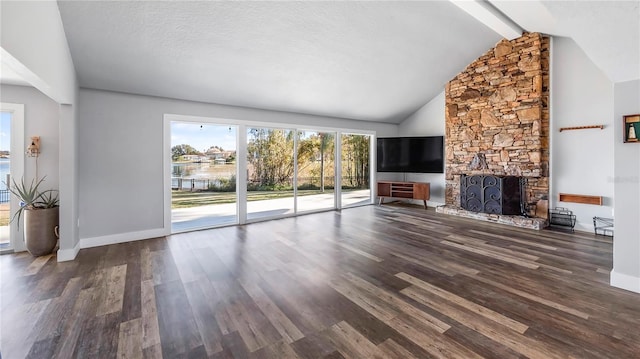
(376, 61)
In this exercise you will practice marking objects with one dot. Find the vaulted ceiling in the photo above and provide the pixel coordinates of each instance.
(361, 60)
(607, 31)
(377, 61)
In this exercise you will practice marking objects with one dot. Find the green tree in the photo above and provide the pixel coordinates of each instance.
(327, 145)
(318, 146)
(270, 152)
(216, 148)
(355, 157)
(181, 150)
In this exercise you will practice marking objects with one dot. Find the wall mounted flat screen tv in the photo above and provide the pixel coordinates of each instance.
(411, 154)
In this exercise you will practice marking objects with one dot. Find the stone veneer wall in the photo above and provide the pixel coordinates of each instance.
(499, 106)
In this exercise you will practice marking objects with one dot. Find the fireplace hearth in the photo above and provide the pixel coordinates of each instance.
(509, 220)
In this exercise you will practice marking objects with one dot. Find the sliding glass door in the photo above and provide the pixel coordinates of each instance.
(203, 175)
(281, 171)
(12, 162)
(316, 171)
(5, 180)
(270, 172)
(356, 169)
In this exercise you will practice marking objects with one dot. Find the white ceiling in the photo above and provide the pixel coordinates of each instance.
(376, 61)
(10, 77)
(607, 31)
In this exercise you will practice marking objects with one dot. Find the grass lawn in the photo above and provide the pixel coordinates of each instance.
(185, 199)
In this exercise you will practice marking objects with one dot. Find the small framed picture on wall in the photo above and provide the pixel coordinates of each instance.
(631, 128)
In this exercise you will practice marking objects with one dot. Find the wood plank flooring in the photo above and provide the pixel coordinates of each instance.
(369, 282)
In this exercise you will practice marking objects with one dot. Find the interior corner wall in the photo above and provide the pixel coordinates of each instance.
(121, 174)
(626, 244)
(581, 162)
(427, 121)
(40, 119)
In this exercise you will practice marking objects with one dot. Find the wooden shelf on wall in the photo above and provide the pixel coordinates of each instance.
(581, 127)
(580, 198)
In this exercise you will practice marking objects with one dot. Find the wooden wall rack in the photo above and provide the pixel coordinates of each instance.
(581, 127)
(580, 198)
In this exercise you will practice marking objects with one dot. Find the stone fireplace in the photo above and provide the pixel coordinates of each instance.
(497, 107)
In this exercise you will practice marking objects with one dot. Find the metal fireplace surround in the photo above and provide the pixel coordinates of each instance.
(492, 194)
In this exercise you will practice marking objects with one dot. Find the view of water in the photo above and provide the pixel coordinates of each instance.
(4, 170)
(202, 170)
(202, 174)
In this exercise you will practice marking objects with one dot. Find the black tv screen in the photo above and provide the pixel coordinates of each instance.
(411, 154)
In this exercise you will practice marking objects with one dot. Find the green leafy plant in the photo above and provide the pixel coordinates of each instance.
(49, 199)
(31, 197)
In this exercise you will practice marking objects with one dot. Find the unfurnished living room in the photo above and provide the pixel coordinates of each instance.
(320, 179)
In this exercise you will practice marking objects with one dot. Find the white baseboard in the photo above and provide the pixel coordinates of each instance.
(70, 254)
(625, 281)
(122, 237)
(584, 227)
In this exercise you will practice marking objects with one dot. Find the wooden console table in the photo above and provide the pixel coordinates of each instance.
(408, 190)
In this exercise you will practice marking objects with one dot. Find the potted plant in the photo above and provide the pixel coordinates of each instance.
(41, 212)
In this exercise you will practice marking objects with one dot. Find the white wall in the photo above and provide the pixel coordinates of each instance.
(626, 245)
(69, 189)
(427, 121)
(40, 119)
(121, 156)
(581, 162)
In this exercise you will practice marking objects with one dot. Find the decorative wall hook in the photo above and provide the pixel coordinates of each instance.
(33, 150)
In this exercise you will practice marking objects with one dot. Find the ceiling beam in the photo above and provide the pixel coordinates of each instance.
(491, 17)
(9, 62)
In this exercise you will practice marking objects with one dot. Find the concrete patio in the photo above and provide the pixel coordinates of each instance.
(183, 219)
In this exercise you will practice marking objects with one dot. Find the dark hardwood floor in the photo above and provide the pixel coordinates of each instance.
(368, 282)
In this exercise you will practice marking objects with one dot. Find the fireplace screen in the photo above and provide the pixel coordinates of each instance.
(490, 194)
